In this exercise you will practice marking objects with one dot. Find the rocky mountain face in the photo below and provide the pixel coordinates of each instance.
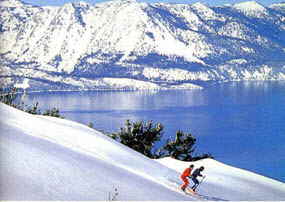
(124, 44)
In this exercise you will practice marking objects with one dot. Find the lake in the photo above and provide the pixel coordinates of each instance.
(239, 123)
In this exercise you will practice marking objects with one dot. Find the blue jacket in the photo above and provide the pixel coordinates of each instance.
(196, 173)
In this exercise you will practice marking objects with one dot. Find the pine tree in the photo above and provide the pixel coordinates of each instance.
(140, 136)
(181, 148)
(34, 109)
(53, 112)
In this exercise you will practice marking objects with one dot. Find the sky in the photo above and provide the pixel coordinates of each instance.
(209, 2)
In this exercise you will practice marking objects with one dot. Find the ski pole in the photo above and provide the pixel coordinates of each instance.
(200, 182)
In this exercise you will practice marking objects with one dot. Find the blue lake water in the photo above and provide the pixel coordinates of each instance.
(239, 123)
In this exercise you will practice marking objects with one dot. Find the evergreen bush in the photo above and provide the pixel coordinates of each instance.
(33, 109)
(8, 96)
(91, 125)
(53, 112)
(140, 136)
(182, 147)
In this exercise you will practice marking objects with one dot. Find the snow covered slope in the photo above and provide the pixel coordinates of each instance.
(46, 158)
(148, 46)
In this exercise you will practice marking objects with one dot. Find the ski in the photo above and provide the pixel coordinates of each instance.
(190, 191)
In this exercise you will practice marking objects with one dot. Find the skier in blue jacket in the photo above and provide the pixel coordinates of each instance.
(194, 176)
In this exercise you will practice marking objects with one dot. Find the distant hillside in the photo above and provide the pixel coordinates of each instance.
(125, 44)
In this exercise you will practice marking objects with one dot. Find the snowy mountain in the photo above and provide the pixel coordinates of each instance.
(70, 161)
(125, 44)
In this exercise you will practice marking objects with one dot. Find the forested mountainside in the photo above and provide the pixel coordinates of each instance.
(124, 44)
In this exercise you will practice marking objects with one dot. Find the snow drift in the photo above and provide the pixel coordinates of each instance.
(46, 158)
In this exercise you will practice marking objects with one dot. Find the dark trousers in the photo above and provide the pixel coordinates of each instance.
(196, 183)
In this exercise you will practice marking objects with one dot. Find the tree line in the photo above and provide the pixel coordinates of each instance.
(142, 136)
(9, 97)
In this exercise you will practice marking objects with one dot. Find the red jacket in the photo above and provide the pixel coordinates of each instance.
(186, 172)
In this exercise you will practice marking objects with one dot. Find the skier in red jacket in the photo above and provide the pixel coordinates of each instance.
(186, 173)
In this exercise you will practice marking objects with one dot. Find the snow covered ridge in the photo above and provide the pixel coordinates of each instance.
(70, 161)
(132, 45)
